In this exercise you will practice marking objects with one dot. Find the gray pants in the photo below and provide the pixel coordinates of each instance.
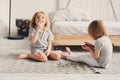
(85, 58)
(35, 50)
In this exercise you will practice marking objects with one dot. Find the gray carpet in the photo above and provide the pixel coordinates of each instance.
(8, 64)
(114, 67)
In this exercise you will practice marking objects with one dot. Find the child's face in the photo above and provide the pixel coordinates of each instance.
(40, 19)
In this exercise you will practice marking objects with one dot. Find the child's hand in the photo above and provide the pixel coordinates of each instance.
(89, 44)
(39, 26)
(86, 47)
(47, 53)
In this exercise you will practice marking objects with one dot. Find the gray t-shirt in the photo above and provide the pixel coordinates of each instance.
(42, 40)
(105, 46)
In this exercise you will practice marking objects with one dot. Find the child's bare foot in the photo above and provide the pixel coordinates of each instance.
(22, 56)
(68, 50)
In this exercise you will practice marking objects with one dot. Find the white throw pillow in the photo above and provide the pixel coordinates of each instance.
(79, 13)
(71, 16)
(84, 17)
(59, 15)
(64, 15)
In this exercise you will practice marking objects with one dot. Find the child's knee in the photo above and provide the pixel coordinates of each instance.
(58, 56)
(55, 56)
(42, 57)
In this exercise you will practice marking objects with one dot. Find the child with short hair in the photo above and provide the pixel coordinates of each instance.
(101, 52)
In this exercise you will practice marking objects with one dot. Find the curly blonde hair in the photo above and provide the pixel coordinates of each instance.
(97, 29)
(47, 23)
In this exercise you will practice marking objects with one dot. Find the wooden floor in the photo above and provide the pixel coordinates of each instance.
(74, 40)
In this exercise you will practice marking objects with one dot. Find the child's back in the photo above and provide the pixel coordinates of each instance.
(104, 45)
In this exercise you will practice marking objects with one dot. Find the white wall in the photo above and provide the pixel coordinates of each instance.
(3, 16)
(96, 9)
(26, 9)
(22, 9)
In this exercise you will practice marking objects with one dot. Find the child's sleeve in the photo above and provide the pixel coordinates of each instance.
(31, 32)
(50, 37)
(98, 45)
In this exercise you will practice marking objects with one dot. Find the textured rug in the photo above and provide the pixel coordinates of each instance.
(8, 64)
(114, 67)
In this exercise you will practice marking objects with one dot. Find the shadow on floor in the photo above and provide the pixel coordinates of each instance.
(116, 48)
(79, 48)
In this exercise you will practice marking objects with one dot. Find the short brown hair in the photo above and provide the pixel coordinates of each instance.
(97, 29)
(33, 24)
